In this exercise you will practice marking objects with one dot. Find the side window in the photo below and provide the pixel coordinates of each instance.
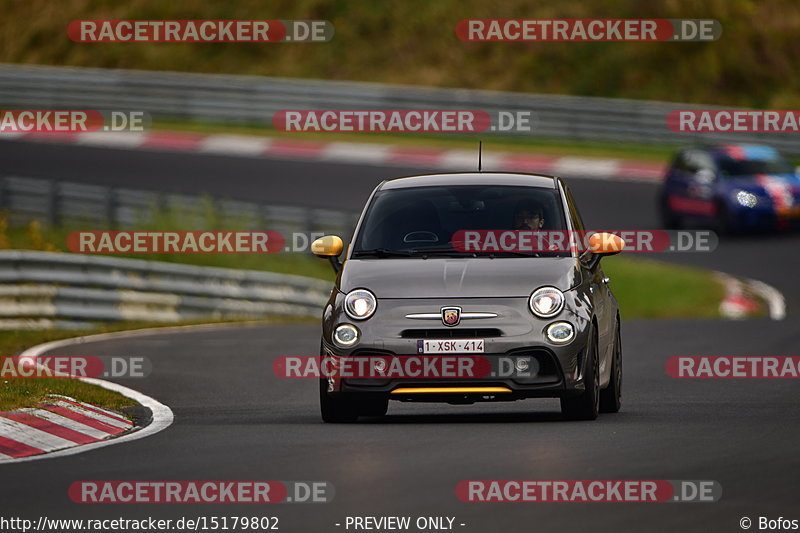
(577, 221)
(682, 162)
(695, 160)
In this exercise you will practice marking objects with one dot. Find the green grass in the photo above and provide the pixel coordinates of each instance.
(650, 289)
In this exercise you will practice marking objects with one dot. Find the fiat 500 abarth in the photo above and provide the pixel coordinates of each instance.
(409, 287)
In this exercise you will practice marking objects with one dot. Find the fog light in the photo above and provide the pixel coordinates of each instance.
(345, 335)
(560, 332)
(522, 365)
(380, 366)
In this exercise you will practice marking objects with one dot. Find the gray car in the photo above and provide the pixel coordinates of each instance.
(540, 321)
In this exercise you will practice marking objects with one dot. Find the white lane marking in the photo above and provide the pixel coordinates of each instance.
(117, 139)
(468, 160)
(729, 306)
(234, 145)
(66, 422)
(585, 166)
(91, 414)
(775, 300)
(355, 152)
(89, 406)
(31, 436)
(736, 286)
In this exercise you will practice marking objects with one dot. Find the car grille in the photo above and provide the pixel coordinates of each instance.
(451, 333)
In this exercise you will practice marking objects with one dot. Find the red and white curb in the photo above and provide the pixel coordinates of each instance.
(67, 427)
(56, 425)
(741, 298)
(357, 153)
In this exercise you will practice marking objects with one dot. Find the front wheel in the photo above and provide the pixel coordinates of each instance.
(669, 219)
(723, 220)
(586, 406)
(335, 410)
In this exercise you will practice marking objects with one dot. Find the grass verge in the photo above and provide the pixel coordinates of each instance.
(646, 288)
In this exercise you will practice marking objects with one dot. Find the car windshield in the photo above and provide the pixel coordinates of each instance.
(730, 168)
(422, 221)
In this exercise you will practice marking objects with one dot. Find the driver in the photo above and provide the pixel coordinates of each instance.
(528, 215)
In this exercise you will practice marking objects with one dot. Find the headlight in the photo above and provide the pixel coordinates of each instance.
(360, 304)
(746, 199)
(345, 335)
(546, 302)
(560, 332)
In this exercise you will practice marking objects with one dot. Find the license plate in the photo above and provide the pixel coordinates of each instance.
(450, 346)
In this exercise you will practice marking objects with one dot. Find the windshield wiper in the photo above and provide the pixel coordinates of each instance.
(443, 250)
(382, 252)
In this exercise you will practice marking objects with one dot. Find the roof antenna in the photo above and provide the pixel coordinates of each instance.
(480, 155)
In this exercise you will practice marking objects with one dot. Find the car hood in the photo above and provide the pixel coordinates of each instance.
(758, 182)
(480, 277)
(779, 188)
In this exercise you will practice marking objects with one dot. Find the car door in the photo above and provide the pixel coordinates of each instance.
(604, 304)
(690, 188)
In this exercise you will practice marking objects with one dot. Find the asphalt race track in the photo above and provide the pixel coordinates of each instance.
(235, 420)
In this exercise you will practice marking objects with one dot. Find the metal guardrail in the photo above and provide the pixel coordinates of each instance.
(59, 202)
(45, 289)
(254, 99)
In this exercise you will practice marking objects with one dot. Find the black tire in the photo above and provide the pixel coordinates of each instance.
(373, 405)
(342, 408)
(668, 218)
(586, 406)
(336, 409)
(611, 396)
(723, 222)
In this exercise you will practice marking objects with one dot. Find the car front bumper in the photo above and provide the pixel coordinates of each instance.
(514, 333)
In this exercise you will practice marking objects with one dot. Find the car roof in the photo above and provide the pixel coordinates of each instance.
(471, 178)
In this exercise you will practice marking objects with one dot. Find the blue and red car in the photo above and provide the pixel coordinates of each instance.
(731, 188)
